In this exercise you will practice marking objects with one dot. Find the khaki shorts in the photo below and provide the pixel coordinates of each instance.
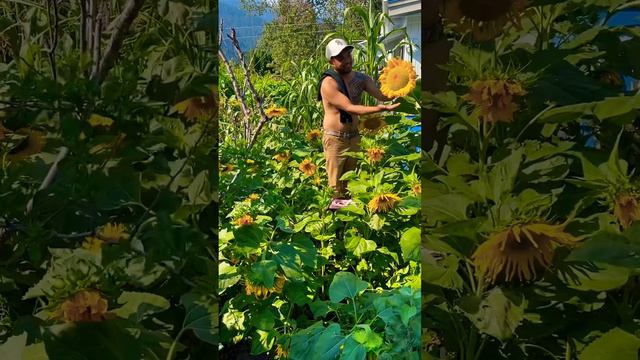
(337, 163)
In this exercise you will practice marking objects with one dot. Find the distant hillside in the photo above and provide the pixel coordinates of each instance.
(248, 27)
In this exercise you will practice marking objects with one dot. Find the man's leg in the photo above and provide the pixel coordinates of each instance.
(350, 162)
(335, 163)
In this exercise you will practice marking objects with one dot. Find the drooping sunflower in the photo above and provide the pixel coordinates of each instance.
(307, 167)
(375, 154)
(263, 292)
(282, 157)
(484, 18)
(85, 305)
(371, 124)
(519, 250)
(314, 135)
(398, 78)
(495, 99)
(112, 232)
(32, 144)
(198, 106)
(383, 202)
(626, 209)
(274, 111)
(245, 220)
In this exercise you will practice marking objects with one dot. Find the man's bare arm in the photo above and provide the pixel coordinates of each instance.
(372, 88)
(330, 91)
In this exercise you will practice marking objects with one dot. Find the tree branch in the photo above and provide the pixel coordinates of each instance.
(53, 170)
(83, 26)
(256, 98)
(121, 27)
(53, 35)
(234, 82)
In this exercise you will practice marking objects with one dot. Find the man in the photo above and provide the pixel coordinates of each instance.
(340, 89)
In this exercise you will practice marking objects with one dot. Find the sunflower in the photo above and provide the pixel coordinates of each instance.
(317, 181)
(416, 188)
(371, 124)
(375, 154)
(263, 292)
(383, 202)
(274, 111)
(252, 197)
(495, 99)
(398, 78)
(611, 78)
(93, 244)
(519, 249)
(307, 167)
(198, 106)
(626, 209)
(282, 157)
(314, 135)
(245, 220)
(32, 144)
(485, 18)
(85, 305)
(112, 233)
(98, 120)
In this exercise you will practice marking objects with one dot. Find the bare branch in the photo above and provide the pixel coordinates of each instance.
(97, 35)
(256, 98)
(121, 27)
(236, 87)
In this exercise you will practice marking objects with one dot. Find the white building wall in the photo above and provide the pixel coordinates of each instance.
(405, 14)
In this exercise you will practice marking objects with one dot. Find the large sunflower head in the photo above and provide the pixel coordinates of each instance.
(485, 18)
(307, 167)
(519, 250)
(371, 124)
(314, 135)
(495, 99)
(398, 78)
(32, 144)
(274, 111)
(375, 154)
(626, 209)
(85, 305)
(383, 202)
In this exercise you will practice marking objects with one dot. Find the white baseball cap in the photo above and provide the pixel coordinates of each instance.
(334, 47)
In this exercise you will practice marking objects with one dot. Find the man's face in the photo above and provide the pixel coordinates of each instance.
(343, 62)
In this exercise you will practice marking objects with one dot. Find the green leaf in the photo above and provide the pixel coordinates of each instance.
(227, 276)
(608, 248)
(614, 344)
(367, 337)
(248, 238)
(303, 342)
(607, 277)
(444, 273)
(201, 316)
(494, 314)
(345, 284)
(449, 207)
(328, 345)
(359, 246)
(264, 319)
(264, 272)
(263, 342)
(502, 176)
(138, 305)
(319, 308)
(604, 109)
(410, 244)
(353, 350)
(376, 222)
